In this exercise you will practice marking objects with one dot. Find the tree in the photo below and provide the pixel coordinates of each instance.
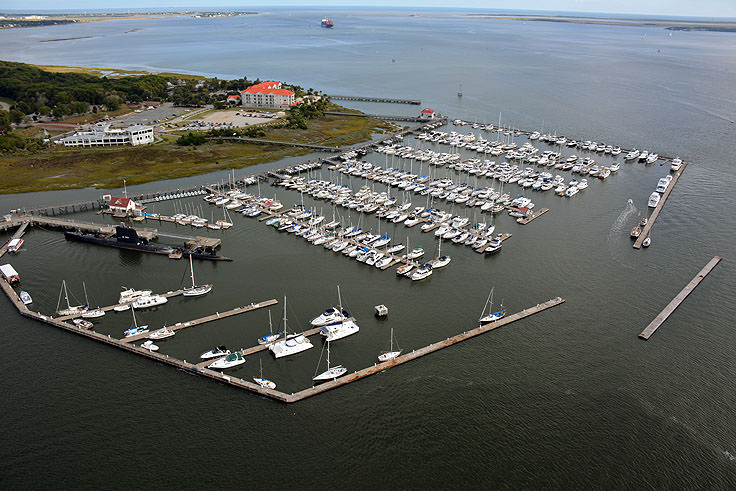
(4, 121)
(16, 116)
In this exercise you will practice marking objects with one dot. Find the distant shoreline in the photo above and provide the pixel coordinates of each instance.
(40, 20)
(714, 26)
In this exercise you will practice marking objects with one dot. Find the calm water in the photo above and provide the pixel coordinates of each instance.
(567, 398)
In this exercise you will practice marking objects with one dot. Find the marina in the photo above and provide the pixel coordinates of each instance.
(658, 209)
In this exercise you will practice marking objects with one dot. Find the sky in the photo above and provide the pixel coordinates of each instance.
(700, 8)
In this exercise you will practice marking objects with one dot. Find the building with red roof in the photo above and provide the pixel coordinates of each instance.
(267, 94)
(427, 113)
(122, 205)
(233, 99)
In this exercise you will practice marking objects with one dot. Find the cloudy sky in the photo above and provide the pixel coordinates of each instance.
(704, 8)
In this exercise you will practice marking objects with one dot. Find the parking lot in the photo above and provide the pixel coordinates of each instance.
(230, 119)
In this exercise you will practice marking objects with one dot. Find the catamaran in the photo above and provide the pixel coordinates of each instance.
(332, 372)
(194, 290)
(290, 344)
(391, 353)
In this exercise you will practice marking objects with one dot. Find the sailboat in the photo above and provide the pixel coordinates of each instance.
(460, 91)
(441, 260)
(69, 310)
(226, 221)
(271, 337)
(289, 345)
(91, 314)
(391, 353)
(490, 317)
(264, 382)
(195, 290)
(136, 329)
(331, 373)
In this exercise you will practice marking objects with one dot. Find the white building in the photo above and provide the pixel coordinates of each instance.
(101, 135)
(267, 94)
(427, 114)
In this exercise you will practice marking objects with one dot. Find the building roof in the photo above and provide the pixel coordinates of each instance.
(269, 87)
(233, 97)
(120, 202)
(428, 111)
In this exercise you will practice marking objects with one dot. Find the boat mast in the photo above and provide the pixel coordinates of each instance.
(191, 268)
(284, 318)
(339, 298)
(270, 326)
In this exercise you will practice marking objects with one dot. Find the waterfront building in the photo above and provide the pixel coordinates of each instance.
(102, 135)
(267, 94)
(427, 114)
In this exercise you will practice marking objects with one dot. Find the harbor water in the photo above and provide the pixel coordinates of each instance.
(568, 398)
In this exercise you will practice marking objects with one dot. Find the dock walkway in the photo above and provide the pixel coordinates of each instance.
(386, 100)
(209, 318)
(679, 298)
(658, 209)
(108, 308)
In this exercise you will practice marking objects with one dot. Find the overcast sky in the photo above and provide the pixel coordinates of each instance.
(704, 8)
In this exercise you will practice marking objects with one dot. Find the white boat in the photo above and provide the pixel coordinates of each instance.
(415, 253)
(490, 316)
(163, 333)
(195, 290)
(290, 344)
(93, 314)
(131, 294)
(215, 353)
(676, 164)
(121, 308)
(646, 242)
(422, 272)
(272, 336)
(69, 310)
(229, 361)
(333, 314)
(25, 297)
(263, 382)
(14, 245)
(136, 329)
(441, 260)
(391, 353)
(149, 301)
(654, 199)
(149, 346)
(82, 323)
(339, 330)
(332, 372)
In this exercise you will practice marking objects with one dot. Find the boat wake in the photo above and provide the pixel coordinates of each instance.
(619, 232)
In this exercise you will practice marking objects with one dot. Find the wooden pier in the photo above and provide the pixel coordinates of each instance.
(386, 100)
(209, 318)
(659, 320)
(385, 117)
(658, 209)
(482, 250)
(531, 217)
(243, 384)
(108, 308)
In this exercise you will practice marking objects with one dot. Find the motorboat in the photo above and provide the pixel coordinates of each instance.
(635, 232)
(215, 353)
(14, 245)
(229, 361)
(93, 314)
(676, 164)
(422, 272)
(654, 199)
(493, 246)
(339, 330)
(163, 333)
(25, 297)
(330, 315)
(149, 301)
(404, 269)
(415, 253)
(121, 308)
(646, 242)
(131, 294)
(149, 346)
(82, 323)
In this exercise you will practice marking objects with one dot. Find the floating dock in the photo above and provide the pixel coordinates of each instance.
(170, 294)
(659, 320)
(273, 394)
(531, 217)
(658, 209)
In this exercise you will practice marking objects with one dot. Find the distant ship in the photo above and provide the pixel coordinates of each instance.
(327, 23)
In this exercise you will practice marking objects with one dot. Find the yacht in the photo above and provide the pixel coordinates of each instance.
(654, 199)
(339, 330)
(415, 253)
(163, 333)
(149, 301)
(330, 315)
(632, 155)
(215, 353)
(93, 314)
(676, 164)
(493, 246)
(635, 232)
(14, 245)
(149, 346)
(422, 272)
(229, 361)
(25, 297)
(646, 242)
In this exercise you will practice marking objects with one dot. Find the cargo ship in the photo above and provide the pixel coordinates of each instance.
(127, 238)
(327, 23)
